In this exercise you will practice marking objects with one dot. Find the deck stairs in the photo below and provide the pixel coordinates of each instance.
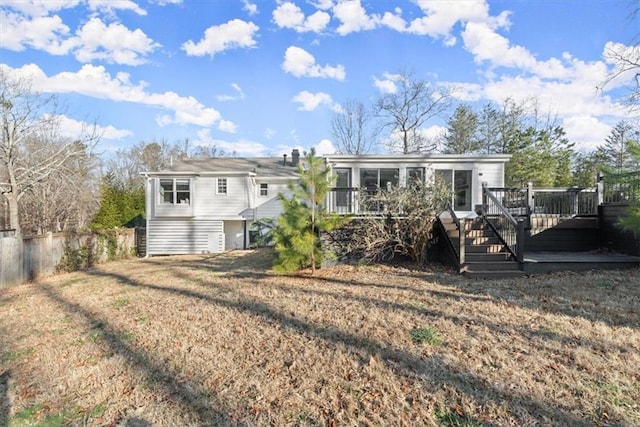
(485, 255)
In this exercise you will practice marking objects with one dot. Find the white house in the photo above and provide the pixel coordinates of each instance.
(207, 205)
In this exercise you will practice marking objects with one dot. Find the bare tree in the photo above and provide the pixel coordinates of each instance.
(405, 112)
(351, 128)
(66, 200)
(626, 64)
(32, 148)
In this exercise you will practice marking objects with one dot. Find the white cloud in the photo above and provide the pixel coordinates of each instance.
(353, 17)
(109, 6)
(588, 132)
(42, 32)
(72, 128)
(269, 133)
(395, 21)
(241, 147)
(310, 101)
(238, 95)
(322, 4)
(233, 34)
(93, 41)
(250, 8)
(325, 147)
(289, 15)
(96, 82)
(301, 63)
(388, 84)
(441, 16)
(38, 7)
(227, 126)
(112, 43)
(625, 71)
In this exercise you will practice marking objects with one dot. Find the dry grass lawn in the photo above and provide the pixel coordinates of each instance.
(220, 340)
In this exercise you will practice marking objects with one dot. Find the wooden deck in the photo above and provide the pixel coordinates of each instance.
(547, 262)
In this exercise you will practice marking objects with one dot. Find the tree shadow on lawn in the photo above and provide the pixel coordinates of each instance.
(462, 289)
(251, 263)
(581, 295)
(199, 401)
(434, 371)
(538, 336)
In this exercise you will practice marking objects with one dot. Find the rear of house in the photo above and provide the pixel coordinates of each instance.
(464, 174)
(207, 205)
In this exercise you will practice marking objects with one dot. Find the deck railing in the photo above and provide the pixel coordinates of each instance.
(563, 202)
(343, 201)
(621, 187)
(508, 229)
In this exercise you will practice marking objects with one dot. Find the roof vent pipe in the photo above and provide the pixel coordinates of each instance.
(295, 157)
(284, 162)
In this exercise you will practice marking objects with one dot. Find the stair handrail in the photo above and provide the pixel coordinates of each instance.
(509, 230)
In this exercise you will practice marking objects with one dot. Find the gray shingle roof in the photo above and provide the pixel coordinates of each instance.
(261, 166)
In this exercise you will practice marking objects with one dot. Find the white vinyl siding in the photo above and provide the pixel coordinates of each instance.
(271, 207)
(234, 205)
(178, 237)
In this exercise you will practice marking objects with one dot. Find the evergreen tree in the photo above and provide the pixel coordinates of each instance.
(544, 159)
(296, 236)
(107, 216)
(462, 130)
(615, 151)
(631, 221)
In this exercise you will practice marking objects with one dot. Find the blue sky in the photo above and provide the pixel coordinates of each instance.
(262, 77)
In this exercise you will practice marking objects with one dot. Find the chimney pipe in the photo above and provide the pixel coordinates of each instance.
(284, 162)
(295, 157)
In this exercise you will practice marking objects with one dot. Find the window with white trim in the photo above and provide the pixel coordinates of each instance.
(264, 189)
(221, 187)
(175, 191)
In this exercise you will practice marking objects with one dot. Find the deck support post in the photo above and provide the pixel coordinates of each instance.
(520, 236)
(461, 243)
(600, 188)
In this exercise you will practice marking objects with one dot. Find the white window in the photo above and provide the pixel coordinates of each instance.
(175, 191)
(264, 189)
(415, 175)
(222, 186)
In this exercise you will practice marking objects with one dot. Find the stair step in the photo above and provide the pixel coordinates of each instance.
(493, 274)
(484, 248)
(484, 240)
(472, 234)
(487, 257)
(490, 265)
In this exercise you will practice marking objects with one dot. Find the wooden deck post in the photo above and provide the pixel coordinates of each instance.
(520, 236)
(461, 243)
(600, 188)
(530, 201)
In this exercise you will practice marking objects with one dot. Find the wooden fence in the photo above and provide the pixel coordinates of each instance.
(31, 257)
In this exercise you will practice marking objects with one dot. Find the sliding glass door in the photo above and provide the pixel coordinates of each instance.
(459, 181)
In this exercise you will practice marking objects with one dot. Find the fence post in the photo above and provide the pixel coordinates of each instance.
(576, 194)
(531, 204)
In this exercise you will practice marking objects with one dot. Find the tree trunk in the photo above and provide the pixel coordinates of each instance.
(14, 220)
